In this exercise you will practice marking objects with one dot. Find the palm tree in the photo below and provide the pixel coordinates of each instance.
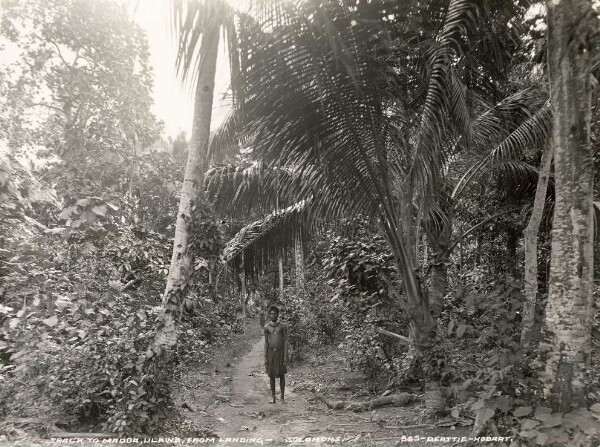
(321, 104)
(198, 25)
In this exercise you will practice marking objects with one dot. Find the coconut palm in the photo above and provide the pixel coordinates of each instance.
(358, 129)
(198, 25)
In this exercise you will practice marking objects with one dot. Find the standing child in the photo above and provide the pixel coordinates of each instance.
(276, 353)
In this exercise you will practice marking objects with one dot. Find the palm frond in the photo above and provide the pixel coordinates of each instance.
(451, 43)
(532, 133)
(498, 121)
(239, 189)
(263, 241)
(194, 22)
(225, 143)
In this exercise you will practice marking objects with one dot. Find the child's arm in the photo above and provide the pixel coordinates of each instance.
(266, 345)
(285, 344)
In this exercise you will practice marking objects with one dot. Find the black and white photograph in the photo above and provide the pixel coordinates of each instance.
(300, 223)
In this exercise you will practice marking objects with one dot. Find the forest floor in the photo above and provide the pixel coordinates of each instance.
(228, 399)
(225, 401)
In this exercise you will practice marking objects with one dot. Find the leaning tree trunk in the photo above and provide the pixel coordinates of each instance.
(530, 286)
(192, 194)
(569, 309)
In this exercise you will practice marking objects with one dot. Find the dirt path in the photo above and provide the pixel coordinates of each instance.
(229, 398)
(249, 412)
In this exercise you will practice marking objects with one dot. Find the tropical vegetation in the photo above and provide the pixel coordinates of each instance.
(413, 182)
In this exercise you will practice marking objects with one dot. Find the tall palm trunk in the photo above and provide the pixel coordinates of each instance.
(530, 287)
(569, 309)
(192, 195)
(422, 323)
(440, 243)
(439, 264)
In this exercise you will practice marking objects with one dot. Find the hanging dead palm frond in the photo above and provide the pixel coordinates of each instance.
(265, 240)
(239, 189)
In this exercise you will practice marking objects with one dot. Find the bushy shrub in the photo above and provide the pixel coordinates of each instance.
(86, 361)
(364, 350)
(359, 268)
(313, 321)
(205, 323)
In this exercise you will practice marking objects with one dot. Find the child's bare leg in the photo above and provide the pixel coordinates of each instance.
(272, 379)
(282, 386)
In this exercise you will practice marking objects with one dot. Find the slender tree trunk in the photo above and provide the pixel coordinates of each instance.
(299, 257)
(425, 253)
(439, 275)
(530, 286)
(569, 309)
(243, 293)
(460, 270)
(280, 265)
(192, 195)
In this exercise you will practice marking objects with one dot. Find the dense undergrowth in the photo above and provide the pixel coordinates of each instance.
(489, 378)
(80, 297)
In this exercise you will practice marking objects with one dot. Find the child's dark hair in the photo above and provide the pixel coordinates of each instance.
(274, 308)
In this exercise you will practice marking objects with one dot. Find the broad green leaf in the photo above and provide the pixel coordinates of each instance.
(461, 330)
(521, 411)
(543, 410)
(478, 405)
(51, 321)
(588, 425)
(502, 403)
(62, 303)
(529, 433)
(541, 438)
(455, 413)
(67, 212)
(485, 414)
(100, 210)
(528, 424)
(549, 420)
(89, 216)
